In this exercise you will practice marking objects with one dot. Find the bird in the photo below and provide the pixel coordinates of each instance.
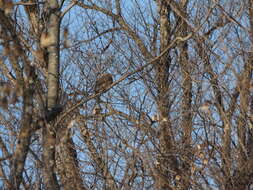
(102, 83)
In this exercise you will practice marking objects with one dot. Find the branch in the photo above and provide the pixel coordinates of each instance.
(151, 62)
(100, 34)
(118, 9)
(70, 6)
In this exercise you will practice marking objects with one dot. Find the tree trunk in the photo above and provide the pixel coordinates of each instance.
(49, 131)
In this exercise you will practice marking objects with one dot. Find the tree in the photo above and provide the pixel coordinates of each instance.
(177, 114)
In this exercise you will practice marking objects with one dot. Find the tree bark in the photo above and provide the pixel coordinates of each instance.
(186, 106)
(167, 162)
(67, 161)
(49, 131)
(27, 86)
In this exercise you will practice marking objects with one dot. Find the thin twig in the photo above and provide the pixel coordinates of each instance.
(153, 61)
(70, 6)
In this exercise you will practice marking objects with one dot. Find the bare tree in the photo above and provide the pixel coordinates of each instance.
(174, 84)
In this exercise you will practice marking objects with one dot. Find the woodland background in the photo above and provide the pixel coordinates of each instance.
(178, 115)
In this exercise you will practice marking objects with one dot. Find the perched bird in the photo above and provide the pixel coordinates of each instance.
(102, 83)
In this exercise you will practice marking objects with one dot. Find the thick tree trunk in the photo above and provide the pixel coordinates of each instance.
(27, 86)
(49, 131)
(24, 139)
(67, 161)
(167, 162)
(244, 174)
(186, 105)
